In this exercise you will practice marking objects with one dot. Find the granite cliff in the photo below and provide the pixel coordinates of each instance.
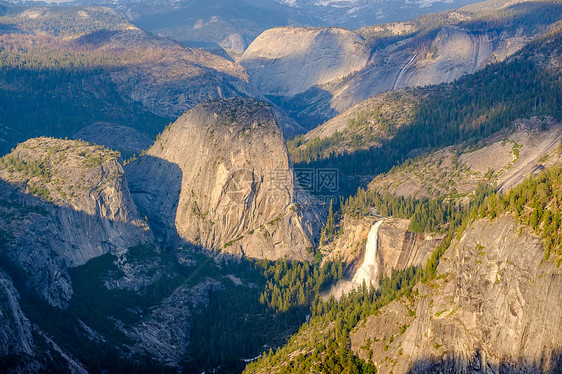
(397, 248)
(228, 183)
(64, 203)
(375, 59)
(493, 308)
(286, 61)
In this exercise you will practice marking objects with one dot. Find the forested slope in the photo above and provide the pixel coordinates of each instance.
(63, 68)
(470, 109)
(464, 112)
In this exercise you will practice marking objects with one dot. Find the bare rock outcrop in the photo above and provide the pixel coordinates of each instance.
(232, 25)
(493, 308)
(15, 330)
(229, 184)
(286, 61)
(453, 53)
(64, 203)
(319, 73)
(351, 239)
(398, 248)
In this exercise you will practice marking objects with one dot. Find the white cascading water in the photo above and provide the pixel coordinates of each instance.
(368, 271)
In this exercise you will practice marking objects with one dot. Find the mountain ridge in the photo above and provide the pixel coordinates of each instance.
(210, 251)
(429, 50)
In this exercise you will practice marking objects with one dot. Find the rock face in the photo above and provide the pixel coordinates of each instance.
(15, 330)
(452, 53)
(228, 173)
(314, 85)
(494, 308)
(287, 61)
(396, 248)
(70, 232)
(126, 140)
(400, 248)
(351, 239)
(65, 202)
(505, 158)
(455, 52)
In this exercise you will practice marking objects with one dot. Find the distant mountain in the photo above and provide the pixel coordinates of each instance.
(357, 13)
(431, 49)
(64, 68)
(231, 25)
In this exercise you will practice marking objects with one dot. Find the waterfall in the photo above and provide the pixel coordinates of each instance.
(368, 271)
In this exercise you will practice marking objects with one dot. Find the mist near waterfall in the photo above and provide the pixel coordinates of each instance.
(368, 272)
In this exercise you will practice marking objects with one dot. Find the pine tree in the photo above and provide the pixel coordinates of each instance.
(330, 222)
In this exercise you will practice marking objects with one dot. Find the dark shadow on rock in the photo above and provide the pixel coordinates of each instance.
(41, 241)
(155, 186)
(212, 47)
(94, 39)
(86, 329)
(124, 139)
(309, 109)
(551, 363)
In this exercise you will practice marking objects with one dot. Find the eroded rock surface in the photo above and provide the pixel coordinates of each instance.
(15, 329)
(494, 308)
(64, 203)
(229, 170)
(286, 61)
(400, 248)
(397, 247)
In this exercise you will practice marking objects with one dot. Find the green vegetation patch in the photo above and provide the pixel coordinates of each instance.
(536, 204)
